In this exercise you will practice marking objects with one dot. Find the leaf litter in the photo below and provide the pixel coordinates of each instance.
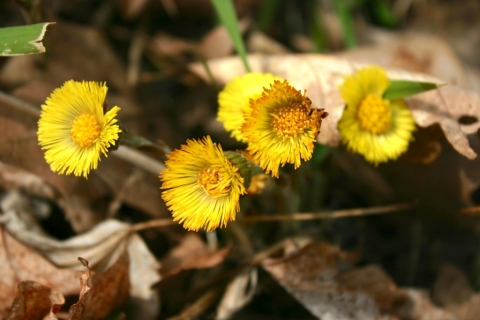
(328, 281)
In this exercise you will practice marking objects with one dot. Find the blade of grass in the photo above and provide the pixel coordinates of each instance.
(226, 11)
(345, 16)
(15, 41)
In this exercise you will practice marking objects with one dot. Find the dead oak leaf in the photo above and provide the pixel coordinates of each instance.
(20, 263)
(34, 301)
(318, 276)
(191, 253)
(101, 293)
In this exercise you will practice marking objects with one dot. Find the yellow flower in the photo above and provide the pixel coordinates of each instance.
(203, 185)
(282, 127)
(377, 128)
(73, 129)
(234, 100)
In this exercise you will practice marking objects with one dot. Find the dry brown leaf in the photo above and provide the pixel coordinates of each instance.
(414, 52)
(20, 263)
(132, 8)
(316, 275)
(34, 301)
(102, 246)
(259, 42)
(453, 292)
(12, 178)
(102, 293)
(320, 75)
(215, 44)
(419, 307)
(191, 253)
(468, 310)
(451, 286)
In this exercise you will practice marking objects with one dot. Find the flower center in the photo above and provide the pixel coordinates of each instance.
(85, 129)
(291, 121)
(375, 114)
(212, 180)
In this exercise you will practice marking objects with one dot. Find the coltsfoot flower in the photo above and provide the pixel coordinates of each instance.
(203, 184)
(377, 128)
(282, 127)
(74, 130)
(234, 100)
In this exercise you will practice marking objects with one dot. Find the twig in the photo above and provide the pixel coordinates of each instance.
(199, 306)
(139, 159)
(127, 186)
(19, 105)
(292, 217)
(328, 215)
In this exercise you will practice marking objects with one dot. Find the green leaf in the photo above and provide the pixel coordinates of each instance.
(226, 12)
(15, 41)
(403, 88)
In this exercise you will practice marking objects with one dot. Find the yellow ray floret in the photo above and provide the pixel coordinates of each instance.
(282, 127)
(73, 129)
(234, 100)
(377, 128)
(202, 187)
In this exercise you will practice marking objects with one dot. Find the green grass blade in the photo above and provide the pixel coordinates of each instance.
(346, 20)
(402, 88)
(15, 41)
(228, 17)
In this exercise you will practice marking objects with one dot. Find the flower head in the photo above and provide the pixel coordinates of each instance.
(282, 127)
(73, 129)
(203, 185)
(375, 127)
(234, 100)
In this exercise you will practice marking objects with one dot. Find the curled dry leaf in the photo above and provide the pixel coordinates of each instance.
(453, 292)
(34, 301)
(419, 307)
(101, 246)
(316, 275)
(20, 263)
(101, 293)
(320, 75)
(191, 253)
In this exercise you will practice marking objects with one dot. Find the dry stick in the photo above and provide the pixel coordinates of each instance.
(292, 217)
(125, 153)
(19, 105)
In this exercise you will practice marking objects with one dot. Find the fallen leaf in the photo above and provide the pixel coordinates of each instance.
(451, 286)
(419, 307)
(453, 292)
(34, 301)
(320, 75)
(20, 263)
(131, 8)
(317, 276)
(191, 253)
(101, 246)
(101, 293)
(259, 42)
